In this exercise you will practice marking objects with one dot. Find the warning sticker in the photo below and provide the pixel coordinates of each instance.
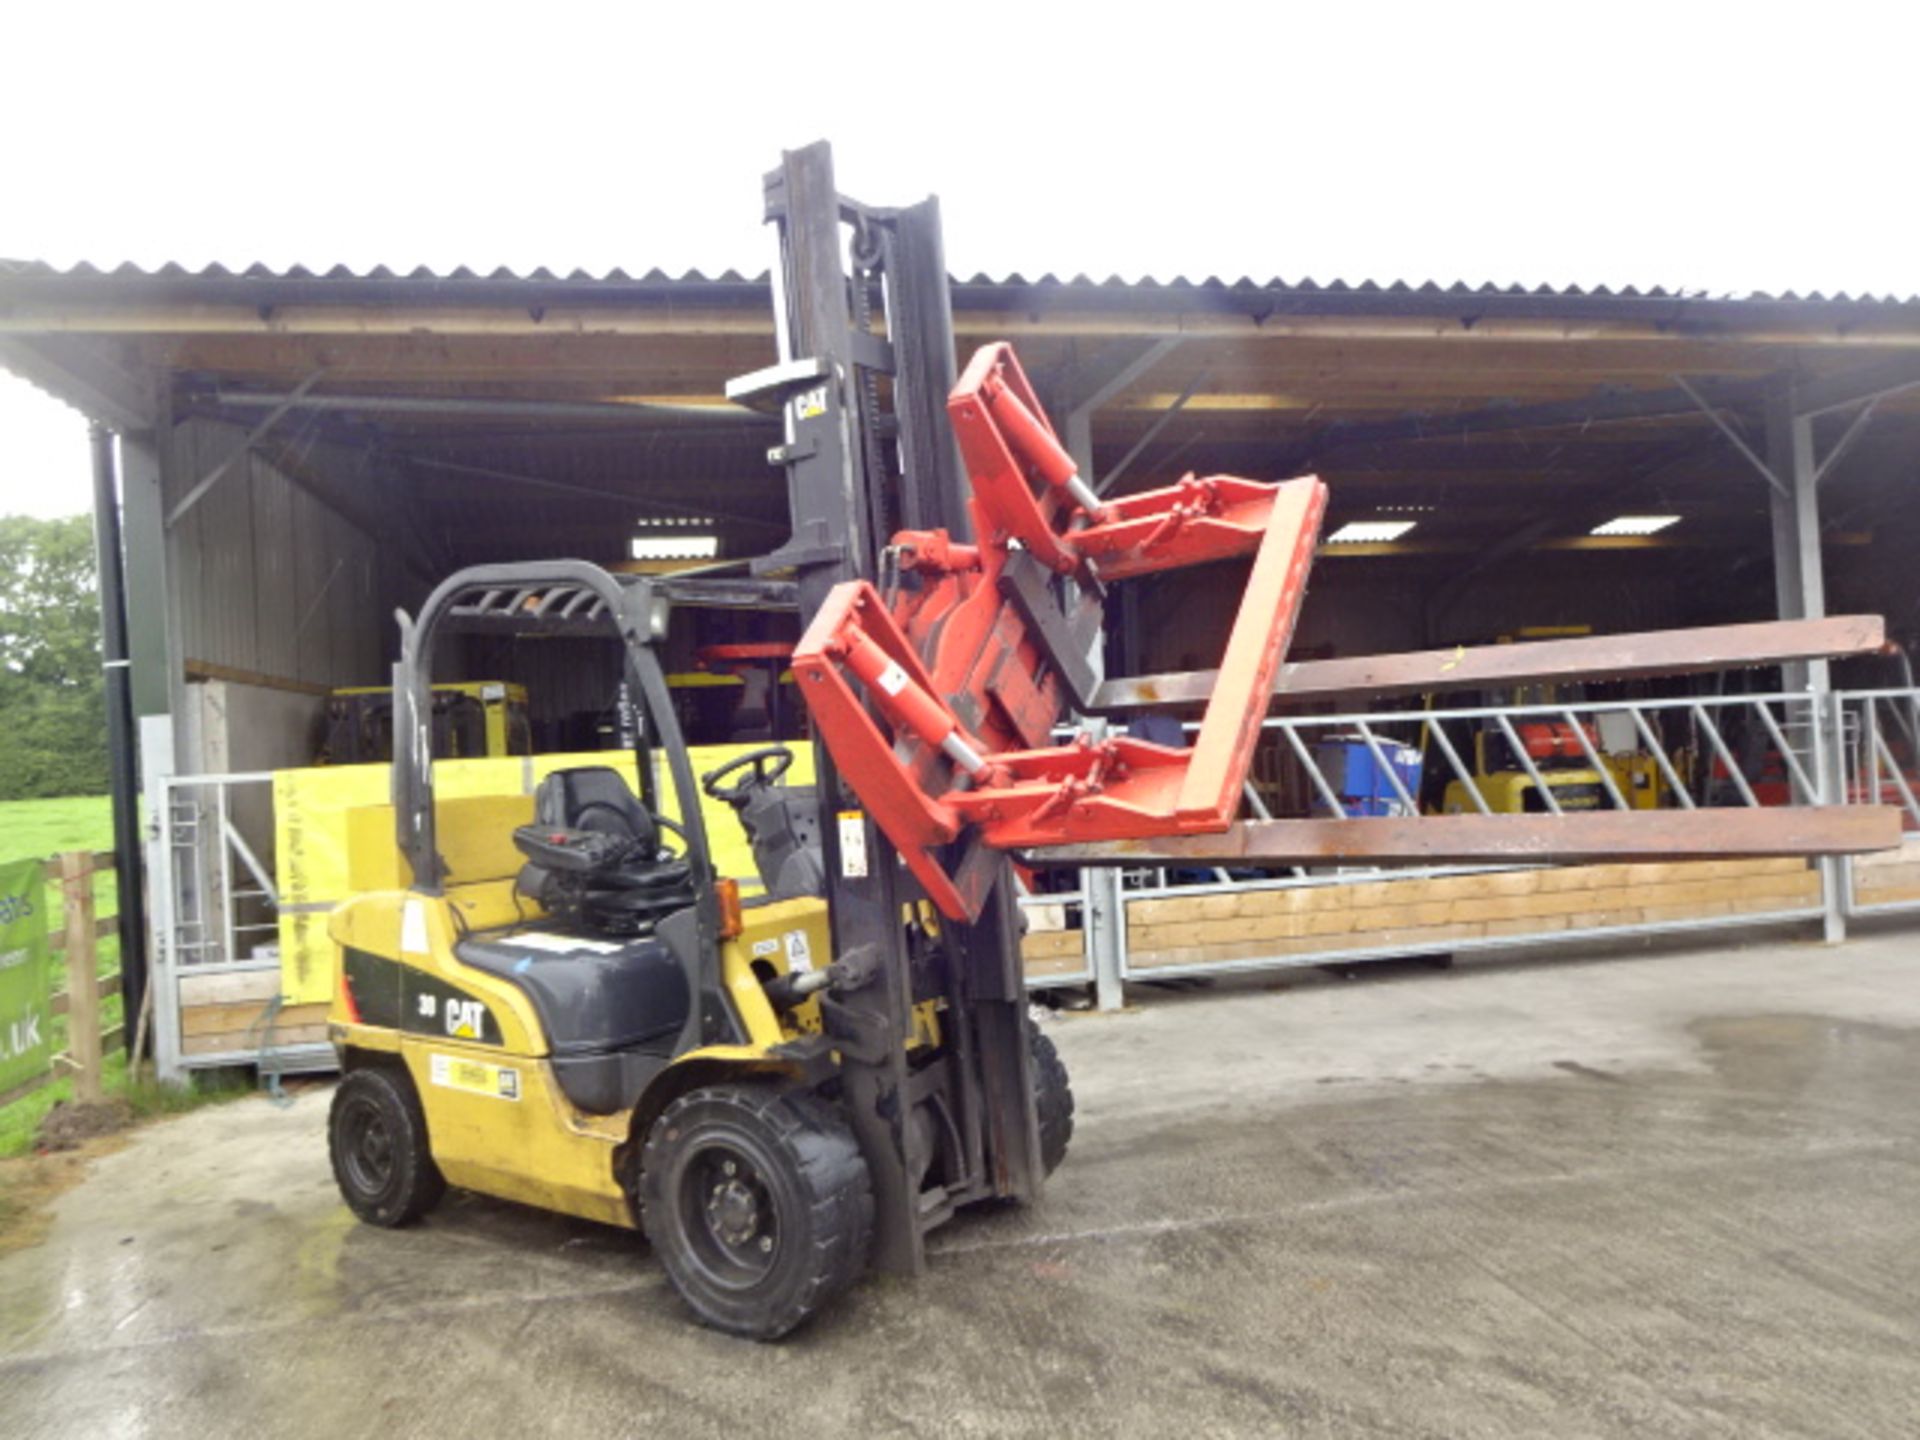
(853, 844)
(476, 1077)
(799, 953)
(893, 679)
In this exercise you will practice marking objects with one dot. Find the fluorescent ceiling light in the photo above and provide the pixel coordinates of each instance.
(675, 547)
(1635, 525)
(1363, 532)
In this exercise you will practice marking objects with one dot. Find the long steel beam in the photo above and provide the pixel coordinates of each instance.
(988, 316)
(1479, 839)
(1593, 657)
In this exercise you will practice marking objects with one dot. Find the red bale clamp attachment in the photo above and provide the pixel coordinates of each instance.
(936, 699)
(1032, 491)
(1022, 475)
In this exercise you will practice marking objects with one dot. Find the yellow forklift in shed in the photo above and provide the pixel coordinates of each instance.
(1549, 747)
(471, 720)
(568, 1008)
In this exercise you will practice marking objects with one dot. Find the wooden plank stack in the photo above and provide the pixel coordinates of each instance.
(228, 1014)
(1888, 877)
(1434, 914)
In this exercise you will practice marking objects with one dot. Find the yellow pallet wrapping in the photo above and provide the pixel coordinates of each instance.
(333, 836)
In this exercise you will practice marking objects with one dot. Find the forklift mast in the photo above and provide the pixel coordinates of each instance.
(863, 459)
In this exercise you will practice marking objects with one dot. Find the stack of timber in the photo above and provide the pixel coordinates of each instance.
(1050, 947)
(232, 1013)
(1888, 877)
(1437, 913)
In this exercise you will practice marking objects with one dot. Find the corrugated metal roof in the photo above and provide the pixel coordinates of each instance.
(128, 270)
(218, 275)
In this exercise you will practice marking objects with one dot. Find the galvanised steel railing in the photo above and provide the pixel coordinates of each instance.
(1877, 743)
(1688, 752)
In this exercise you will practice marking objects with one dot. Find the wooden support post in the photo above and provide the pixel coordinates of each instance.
(83, 986)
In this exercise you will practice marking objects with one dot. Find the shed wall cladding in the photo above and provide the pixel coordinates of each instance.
(269, 579)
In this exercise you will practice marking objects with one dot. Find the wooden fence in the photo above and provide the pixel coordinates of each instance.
(80, 940)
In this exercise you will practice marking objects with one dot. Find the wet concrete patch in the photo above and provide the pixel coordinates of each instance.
(1593, 1202)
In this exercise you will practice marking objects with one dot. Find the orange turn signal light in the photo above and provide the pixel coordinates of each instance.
(728, 894)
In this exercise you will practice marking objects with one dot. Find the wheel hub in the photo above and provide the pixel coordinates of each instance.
(734, 1212)
(369, 1150)
(735, 1221)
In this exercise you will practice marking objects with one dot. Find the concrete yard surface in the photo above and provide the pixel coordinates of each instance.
(1664, 1194)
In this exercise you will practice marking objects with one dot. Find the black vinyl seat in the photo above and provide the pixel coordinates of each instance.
(612, 998)
(596, 798)
(612, 1012)
(594, 858)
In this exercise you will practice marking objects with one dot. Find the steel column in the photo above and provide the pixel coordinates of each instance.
(122, 751)
(1800, 594)
(1104, 912)
(157, 747)
(149, 639)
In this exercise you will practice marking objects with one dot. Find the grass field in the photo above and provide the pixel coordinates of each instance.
(37, 830)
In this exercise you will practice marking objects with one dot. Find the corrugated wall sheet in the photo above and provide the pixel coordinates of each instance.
(269, 579)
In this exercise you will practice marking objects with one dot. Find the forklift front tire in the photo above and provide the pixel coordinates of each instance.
(1052, 1098)
(758, 1203)
(377, 1137)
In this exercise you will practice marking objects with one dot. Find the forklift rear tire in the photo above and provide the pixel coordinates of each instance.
(1052, 1098)
(377, 1137)
(758, 1203)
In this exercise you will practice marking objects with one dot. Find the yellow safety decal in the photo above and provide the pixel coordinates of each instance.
(476, 1077)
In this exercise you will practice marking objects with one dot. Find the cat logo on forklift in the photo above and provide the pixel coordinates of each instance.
(401, 997)
(466, 1019)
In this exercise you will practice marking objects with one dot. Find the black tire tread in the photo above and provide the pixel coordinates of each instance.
(827, 1161)
(1052, 1098)
(422, 1185)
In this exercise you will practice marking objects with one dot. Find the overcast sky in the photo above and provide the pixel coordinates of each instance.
(1723, 148)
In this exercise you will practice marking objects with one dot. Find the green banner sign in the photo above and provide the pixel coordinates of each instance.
(26, 1012)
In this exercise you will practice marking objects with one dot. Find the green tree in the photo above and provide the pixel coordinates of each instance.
(53, 737)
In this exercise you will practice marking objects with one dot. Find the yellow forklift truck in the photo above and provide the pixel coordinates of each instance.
(569, 1009)
(472, 719)
(1546, 748)
(1559, 758)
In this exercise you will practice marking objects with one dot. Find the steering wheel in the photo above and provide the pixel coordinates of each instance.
(769, 763)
